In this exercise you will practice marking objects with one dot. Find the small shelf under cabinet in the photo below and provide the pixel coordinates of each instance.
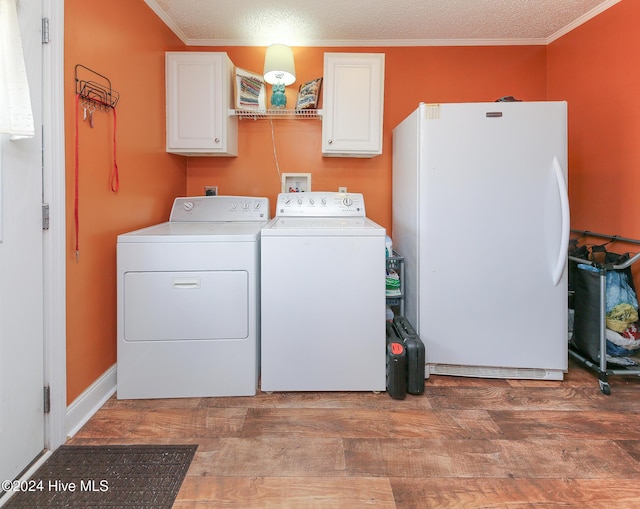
(269, 114)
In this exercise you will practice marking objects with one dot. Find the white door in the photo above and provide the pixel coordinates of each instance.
(21, 273)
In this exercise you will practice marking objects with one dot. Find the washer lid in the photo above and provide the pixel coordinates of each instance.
(171, 231)
(325, 226)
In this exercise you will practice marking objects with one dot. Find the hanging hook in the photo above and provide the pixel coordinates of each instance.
(92, 108)
(85, 106)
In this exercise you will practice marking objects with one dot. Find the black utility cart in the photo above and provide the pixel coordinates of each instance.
(590, 271)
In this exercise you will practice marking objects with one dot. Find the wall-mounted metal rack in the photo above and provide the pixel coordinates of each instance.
(95, 88)
(93, 92)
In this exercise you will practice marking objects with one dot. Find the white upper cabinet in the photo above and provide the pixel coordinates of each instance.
(199, 89)
(353, 104)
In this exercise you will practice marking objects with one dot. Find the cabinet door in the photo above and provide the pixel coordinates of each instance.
(198, 101)
(353, 104)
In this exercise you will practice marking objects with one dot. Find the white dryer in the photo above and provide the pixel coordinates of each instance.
(188, 301)
(323, 295)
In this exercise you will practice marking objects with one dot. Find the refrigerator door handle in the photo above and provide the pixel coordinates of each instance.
(566, 224)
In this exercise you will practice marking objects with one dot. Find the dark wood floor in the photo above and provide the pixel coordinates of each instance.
(465, 443)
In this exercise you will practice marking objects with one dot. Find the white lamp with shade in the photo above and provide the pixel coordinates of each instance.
(279, 71)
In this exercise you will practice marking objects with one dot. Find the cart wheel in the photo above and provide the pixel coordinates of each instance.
(605, 387)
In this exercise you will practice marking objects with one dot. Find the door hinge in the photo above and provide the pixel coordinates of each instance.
(45, 216)
(45, 30)
(47, 399)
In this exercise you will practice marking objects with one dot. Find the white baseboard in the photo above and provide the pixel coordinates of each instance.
(90, 401)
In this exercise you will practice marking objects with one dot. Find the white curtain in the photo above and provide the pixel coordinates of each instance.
(16, 115)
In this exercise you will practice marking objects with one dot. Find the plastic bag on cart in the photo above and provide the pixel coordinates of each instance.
(619, 291)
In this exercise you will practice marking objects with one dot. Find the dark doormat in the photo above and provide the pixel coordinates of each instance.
(109, 476)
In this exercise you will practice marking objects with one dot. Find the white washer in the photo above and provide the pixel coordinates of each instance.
(188, 309)
(323, 295)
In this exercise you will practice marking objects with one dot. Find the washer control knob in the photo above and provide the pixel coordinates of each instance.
(347, 201)
(299, 201)
(257, 205)
(188, 205)
(245, 205)
(234, 205)
(311, 201)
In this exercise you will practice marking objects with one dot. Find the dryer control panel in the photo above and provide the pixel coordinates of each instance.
(320, 204)
(219, 208)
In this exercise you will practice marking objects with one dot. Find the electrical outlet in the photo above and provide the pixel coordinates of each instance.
(211, 190)
(342, 189)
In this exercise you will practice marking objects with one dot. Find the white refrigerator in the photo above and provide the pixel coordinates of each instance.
(481, 217)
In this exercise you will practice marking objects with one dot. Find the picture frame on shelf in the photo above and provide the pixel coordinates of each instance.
(250, 90)
(308, 95)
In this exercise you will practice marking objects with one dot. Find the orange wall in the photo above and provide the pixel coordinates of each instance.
(596, 68)
(125, 42)
(428, 74)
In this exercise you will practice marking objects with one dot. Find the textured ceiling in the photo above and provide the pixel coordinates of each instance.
(373, 22)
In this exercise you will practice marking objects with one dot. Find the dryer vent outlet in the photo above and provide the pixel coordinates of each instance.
(211, 190)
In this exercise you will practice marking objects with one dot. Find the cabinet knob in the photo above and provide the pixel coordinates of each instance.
(217, 140)
(330, 142)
